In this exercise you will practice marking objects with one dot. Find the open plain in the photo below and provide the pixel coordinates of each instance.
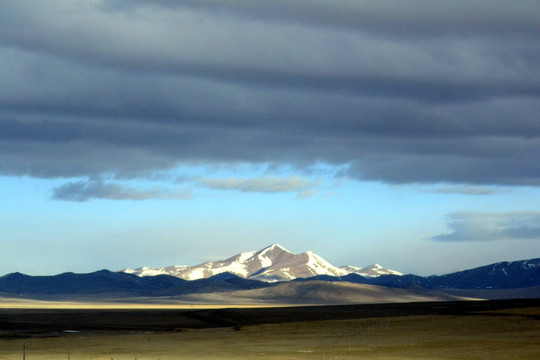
(508, 329)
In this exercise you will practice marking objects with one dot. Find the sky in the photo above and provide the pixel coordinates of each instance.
(404, 133)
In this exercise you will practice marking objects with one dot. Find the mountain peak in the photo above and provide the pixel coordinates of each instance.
(272, 263)
(274, 247)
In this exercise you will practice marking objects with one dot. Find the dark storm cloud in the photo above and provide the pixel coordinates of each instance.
(485, 226)
(389, 17)
(402, 92)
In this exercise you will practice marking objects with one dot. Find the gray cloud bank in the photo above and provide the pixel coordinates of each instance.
(486, 226)
(401, 92)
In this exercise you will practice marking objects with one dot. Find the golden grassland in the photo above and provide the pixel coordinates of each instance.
(500, 334)
(13, 303)
(197, 301)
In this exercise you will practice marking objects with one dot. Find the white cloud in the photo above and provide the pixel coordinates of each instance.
(305, 194)
(491, 226)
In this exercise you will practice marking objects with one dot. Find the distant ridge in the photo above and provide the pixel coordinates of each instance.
(223, 288)
(118, 284)
(518, 279)
(501, 275)
(273, 263)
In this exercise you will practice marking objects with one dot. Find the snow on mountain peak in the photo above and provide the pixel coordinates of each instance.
(273, 263)
(374, 270)
(274, 247)
(319, 266)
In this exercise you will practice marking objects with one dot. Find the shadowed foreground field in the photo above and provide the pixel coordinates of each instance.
(453, 330)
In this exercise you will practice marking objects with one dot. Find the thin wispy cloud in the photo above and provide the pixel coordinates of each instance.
(462, 189)
(486, 226)
(306, 194)
(99, 189)
(265, 184)
(91, 190)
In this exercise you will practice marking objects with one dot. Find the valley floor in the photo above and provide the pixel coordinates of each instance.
(447, 331)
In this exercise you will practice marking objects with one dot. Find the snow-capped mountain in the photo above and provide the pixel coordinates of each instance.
(175, 270)
(370, 271)
(273, 263)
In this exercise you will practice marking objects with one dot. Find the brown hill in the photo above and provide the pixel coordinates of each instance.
(322, 292)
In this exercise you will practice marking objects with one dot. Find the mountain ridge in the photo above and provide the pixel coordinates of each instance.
(503, 280)
(272, 263)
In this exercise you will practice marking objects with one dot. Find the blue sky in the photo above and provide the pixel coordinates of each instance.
(176, 132)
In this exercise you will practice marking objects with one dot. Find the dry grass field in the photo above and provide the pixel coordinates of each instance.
(506, 333)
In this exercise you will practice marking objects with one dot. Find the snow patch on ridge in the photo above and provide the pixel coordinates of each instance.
(374, 270)
(322, 267)
(244, 256)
